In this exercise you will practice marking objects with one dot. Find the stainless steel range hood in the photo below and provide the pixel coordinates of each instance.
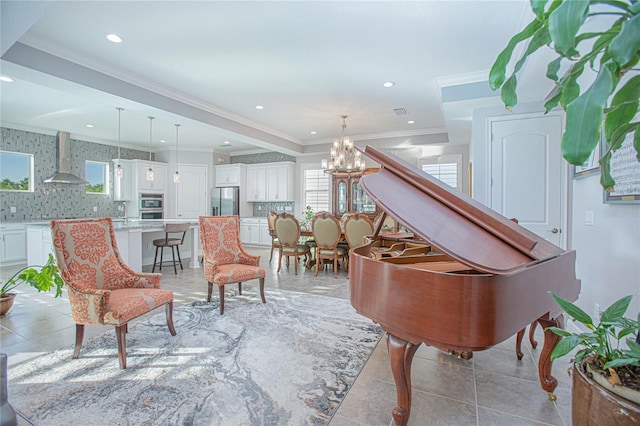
(64, 175)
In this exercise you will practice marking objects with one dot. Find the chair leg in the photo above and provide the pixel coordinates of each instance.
(161, 256)
(122, 345)
(154, 260)
(179, 258)
(221, 293)
(209, 292)
(79, 338)
(173, 255)
(169, 311)
(295, 266)
(240, 288)
(317, 265)
(279, 260)
(271, 254)
(335, 267)
(262, 290)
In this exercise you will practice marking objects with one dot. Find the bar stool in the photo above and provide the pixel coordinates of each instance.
(161, 243)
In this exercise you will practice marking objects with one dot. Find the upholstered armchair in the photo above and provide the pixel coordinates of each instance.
(327, 233)
(225, 259)
(288, 233)
(275, 243)
(102, 288)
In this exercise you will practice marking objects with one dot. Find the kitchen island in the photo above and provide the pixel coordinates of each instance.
(130, 236)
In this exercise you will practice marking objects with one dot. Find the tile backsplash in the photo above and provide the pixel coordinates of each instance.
(58, 201)
(263, 209)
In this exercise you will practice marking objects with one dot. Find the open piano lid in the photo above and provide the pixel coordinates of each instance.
(461, 227)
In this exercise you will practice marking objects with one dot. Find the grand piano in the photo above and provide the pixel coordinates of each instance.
(466, 279)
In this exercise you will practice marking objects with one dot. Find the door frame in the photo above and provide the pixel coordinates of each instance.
(565, 190)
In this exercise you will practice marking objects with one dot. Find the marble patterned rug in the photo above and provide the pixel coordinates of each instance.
(289, 361)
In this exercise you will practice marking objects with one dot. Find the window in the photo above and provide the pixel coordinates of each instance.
(16, 171)
(97, 174)
(316, 189)
(446, 168)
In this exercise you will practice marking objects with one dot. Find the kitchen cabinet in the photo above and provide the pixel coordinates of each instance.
(134, 179)
(39, 244)
(270, 182)
(348, 196)
(250, 231)
(256, 182)
(14, 244)
(265, 236)
(159, 182)
(231, 174)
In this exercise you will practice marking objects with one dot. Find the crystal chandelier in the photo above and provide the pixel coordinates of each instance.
(344, 158)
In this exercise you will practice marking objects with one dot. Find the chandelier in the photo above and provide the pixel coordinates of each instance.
(344, 157)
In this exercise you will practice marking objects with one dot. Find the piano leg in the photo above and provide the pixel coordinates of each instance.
(519, 337)
(547, 381)
(401, 354)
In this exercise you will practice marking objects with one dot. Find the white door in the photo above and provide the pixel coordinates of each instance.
(191, 192)
(527, 173)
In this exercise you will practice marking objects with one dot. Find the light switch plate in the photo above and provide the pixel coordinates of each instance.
(589, 218)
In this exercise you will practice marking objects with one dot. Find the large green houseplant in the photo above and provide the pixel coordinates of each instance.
(603, 358)
(42, 278)
(610, 103)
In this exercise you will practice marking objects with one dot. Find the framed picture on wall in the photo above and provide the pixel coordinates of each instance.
(625, 171)
(589, 167)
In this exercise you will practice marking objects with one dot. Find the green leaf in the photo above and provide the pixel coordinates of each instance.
(624, 106)
(498, 70)
(619, 135)
(627, 43)
(559, 331)
(571, 89)
(553, 101)
(584, 118)
(620, 362)
(564, 24)
(572, 310)
(636, 145)
(553, 68)
(538, 7)
(616, 311)
(606, 180)
(508, 92)
(564, 346)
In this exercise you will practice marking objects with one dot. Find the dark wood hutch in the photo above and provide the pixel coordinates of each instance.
(348, 196)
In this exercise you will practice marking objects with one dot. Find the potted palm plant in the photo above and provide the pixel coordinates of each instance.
(606, 373)
(612, 52)
(42, 278)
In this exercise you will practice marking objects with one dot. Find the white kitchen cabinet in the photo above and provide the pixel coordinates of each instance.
(280, 181)
(256, 182)
(39, 244)
(250, 231)
(230, 174)
(14, 244)
(265, 236)
(159, 182)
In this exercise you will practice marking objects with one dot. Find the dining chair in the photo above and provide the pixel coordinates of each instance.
(327, 233)
(225, 259)
(288, 233)
(102, 288)
(356, 227)
(271, 222)
(173, 242)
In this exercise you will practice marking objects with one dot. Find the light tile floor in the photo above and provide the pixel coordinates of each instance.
(493, 388)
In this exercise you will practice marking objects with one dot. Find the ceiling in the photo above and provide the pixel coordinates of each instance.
(207, 64)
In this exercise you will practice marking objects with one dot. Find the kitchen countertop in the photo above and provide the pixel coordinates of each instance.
(124, 224)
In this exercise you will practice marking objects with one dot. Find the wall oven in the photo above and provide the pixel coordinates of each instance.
(151, 206)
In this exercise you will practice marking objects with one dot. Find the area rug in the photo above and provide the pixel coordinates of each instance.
(289, 361)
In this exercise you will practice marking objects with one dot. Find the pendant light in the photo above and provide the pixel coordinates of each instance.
(150, 171)
(119, 166)
(176, 176)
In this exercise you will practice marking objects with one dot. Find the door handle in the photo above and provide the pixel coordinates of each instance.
(553, 231)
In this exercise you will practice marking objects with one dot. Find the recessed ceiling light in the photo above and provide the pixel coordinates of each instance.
(259, 107)
(6, 79)
(313, 132)
(227, 143)
(411, 122)
(389, 84)
(114, 38)
(163, 141)
(89, 126)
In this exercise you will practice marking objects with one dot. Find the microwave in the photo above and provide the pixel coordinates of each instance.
(151, 202)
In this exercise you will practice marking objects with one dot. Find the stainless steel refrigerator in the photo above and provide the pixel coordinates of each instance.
(225, 201)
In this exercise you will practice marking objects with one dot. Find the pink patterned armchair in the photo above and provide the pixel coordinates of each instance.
(102, 289)
(225, 259)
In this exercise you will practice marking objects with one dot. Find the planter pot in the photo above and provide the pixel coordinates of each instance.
(6, 303)
(592, 404)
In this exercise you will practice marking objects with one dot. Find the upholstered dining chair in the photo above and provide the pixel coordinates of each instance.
(225, 259)
(356, 227)
(172, 242)
(327, 233)
(275, 243)
(288, 233)
(102, 288)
